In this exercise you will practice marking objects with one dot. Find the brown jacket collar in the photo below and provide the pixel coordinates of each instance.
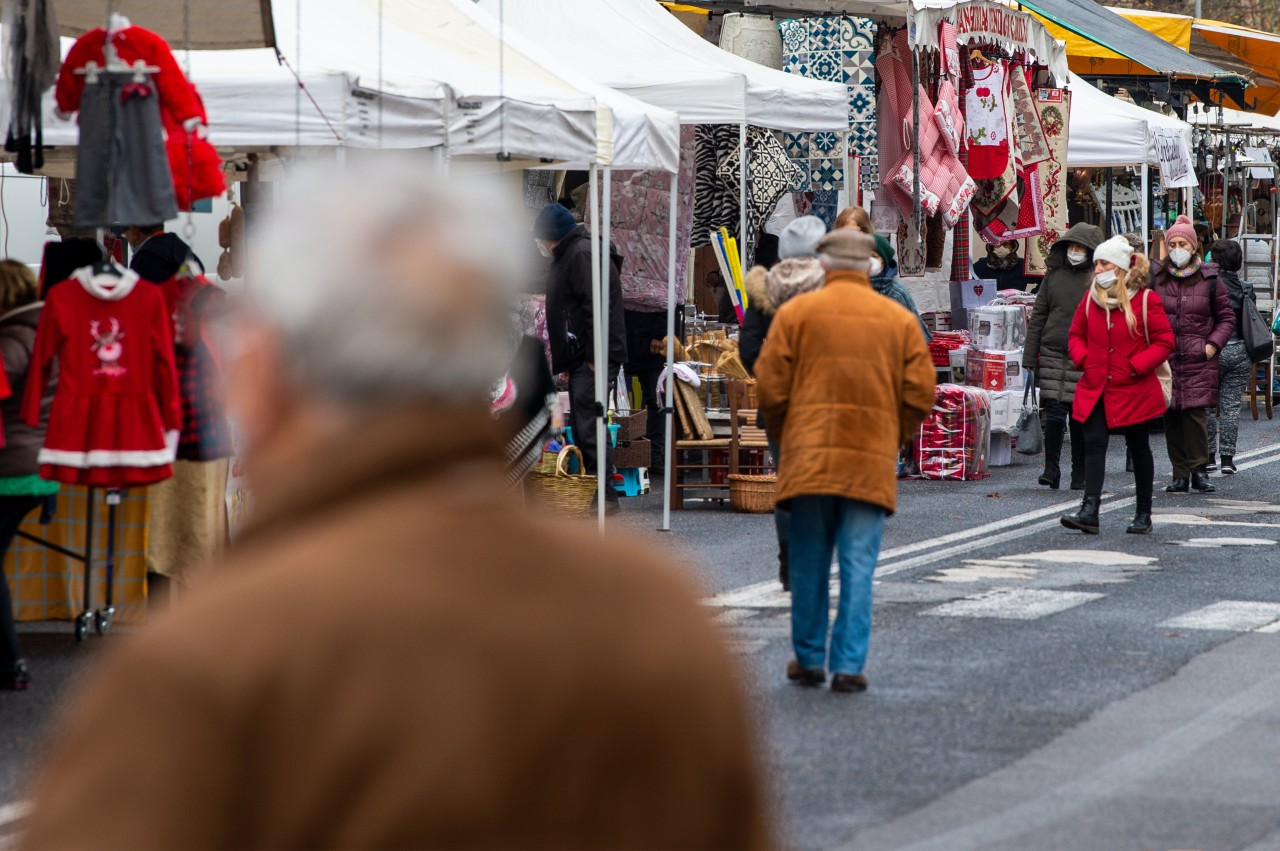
(847, 276)
(394, 449)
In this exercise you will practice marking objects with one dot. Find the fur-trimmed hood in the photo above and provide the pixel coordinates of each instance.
(757, 293)
(793, 277)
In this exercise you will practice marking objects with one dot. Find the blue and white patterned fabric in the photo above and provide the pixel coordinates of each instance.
(837, 49)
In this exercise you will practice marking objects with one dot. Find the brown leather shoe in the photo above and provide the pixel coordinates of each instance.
(848, 683)
(810, 677)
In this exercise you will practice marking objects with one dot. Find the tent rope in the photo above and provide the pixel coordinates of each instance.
(303, 90)
(381, 88)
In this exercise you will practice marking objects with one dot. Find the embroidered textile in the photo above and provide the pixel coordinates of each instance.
(1054, 108)
(986, 110)
(836, 49)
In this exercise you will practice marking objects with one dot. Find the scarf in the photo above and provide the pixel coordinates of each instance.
(1188, 270)
(1002, 264)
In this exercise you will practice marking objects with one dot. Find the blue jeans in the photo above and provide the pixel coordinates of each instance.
(821, 525)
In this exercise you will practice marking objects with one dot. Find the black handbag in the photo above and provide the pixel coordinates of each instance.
(1259, 343)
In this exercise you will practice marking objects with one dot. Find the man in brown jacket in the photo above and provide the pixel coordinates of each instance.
(844, 380)
(395, 655)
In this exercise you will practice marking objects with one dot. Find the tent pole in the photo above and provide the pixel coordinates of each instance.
(849, 182)
(668, 400)
(1110, 184)
(742, 198)
(1146, 209)
(597, 331)
(605, 380)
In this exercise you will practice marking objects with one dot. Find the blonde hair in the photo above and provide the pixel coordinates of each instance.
(855, 217)
(18, 286)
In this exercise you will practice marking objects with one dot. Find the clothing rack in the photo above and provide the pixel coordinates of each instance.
(97, 619)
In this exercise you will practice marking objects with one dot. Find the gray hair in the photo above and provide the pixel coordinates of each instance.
(386, 286)
(832, 263)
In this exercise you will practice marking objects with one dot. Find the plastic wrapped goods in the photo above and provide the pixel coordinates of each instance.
(954, 441)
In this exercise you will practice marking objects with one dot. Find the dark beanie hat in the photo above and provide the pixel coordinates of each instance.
(555, 222)
(886, 252)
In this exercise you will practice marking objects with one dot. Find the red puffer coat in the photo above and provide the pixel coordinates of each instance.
(1119, 367)
(1199, 311)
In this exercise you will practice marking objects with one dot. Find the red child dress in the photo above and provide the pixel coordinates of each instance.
(116, 414)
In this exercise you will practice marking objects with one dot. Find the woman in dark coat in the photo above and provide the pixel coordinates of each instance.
(1199, 309)
(1119, 338)
(1234, 362)
(22, 490)
(1070, 271)
(1003, 265)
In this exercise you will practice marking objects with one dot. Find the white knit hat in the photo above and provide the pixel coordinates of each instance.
(1116, 250)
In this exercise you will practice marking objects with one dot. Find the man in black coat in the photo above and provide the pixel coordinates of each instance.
(157, 256)
(569, 325)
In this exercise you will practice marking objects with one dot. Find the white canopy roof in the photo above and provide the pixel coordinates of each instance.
(440, 85)
(1107, 131)
(1206, 118)
(637, 47)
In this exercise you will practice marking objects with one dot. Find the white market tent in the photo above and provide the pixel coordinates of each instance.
(638, 47)
(1211, 117)
(663, 62)
(1108, 131)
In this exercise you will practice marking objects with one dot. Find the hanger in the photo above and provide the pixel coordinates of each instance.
(977, 58)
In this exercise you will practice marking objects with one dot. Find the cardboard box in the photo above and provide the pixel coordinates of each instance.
(966, 295)
(1003, 403)
(994, 370)
(998, 327)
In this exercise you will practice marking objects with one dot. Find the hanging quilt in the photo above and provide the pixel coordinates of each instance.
(639, 226)
(1054, 108)
(715, 205)
(770, 174)
(837, 49)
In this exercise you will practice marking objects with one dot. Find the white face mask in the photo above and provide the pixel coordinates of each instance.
(1105, 279)
(1180, 257)
(875, 266)
(1002, 252)
(542, 248)
(1076, 256)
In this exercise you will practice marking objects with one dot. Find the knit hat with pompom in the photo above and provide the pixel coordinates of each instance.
(1182, 227)
(1116, 250)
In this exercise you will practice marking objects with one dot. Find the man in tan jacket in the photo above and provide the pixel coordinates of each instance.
(394, 655)
(845, 379)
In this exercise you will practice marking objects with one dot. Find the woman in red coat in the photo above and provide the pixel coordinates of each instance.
(1119, 337)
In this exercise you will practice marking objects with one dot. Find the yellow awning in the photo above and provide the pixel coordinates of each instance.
(1252, 51)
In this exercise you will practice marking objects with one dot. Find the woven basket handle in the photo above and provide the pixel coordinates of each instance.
(561, 471)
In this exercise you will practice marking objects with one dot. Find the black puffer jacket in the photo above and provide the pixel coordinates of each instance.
(569, 326)
(1059, 295)
(22, 443)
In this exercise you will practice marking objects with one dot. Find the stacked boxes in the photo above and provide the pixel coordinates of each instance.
(994, 360)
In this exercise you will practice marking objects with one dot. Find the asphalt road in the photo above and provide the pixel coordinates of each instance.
(1031, 688)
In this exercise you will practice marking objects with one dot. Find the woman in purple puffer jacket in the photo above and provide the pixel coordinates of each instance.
(1199, 309)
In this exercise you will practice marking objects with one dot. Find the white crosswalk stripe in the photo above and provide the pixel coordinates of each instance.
(1230, 616)
(1021, 604)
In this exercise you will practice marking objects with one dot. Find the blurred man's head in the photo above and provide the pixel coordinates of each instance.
(135, 235)
(371, 291)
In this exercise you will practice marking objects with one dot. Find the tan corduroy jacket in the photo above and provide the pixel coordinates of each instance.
(397, 656)
(844, 380)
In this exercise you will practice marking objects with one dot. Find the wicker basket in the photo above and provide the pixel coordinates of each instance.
(562, 493)
(753, 494)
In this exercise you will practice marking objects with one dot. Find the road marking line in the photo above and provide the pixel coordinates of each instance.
(1228, 616)
(1020, 604)
(752, 595)
(1217, 543)
(10, 813)
(1269, 628)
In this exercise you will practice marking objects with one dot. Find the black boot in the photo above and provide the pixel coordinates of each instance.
(1200, 481)
(1086, 519)
(1141, 522)
(1179, 485)
(1228, 465)
(1077, 456)
(17, 678)
(1052, 475)
(784, 566)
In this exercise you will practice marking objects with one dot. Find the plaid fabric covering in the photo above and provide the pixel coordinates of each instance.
(205, 434)
(49, 586)
(960, 259)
